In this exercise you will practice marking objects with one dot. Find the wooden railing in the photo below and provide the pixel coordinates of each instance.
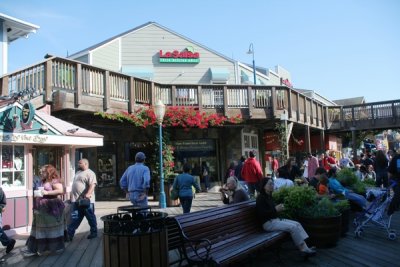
(60, 74)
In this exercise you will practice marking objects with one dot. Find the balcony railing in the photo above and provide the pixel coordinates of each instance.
(260, 102)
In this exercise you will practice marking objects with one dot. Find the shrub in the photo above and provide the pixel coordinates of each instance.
(342, 205)
(295, 199)
(324, 208)
(347, 177)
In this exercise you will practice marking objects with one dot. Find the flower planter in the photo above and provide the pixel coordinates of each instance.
(345, 222)
(323, 232)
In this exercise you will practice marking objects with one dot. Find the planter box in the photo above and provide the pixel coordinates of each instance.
(323, 232)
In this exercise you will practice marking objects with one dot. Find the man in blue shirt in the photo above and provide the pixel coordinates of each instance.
(136, 181)
(338, 189)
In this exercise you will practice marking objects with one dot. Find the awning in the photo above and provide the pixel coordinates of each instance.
(219, 74)
(22, 126)
(144, 73)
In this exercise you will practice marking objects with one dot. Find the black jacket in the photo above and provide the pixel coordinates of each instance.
(265, 208)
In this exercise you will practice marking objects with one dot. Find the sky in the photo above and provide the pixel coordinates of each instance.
(338, 48)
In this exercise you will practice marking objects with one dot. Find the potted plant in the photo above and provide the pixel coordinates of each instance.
(343, 206)
(349, 180)
(319, 217)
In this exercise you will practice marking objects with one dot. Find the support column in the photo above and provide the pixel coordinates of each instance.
(322, 140)
(353, 140)
(307, 139)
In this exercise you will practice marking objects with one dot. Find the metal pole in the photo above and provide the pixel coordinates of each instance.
(163, 203)
(254, 69)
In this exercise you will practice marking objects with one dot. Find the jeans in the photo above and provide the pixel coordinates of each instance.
(358, 199)
(134, 197)
(206, 182)
(186, 203)
(4, 238)
(77, 215)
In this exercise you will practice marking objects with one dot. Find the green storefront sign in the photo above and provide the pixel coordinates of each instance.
(179, 60)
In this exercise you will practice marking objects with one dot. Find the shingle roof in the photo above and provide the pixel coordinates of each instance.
(66, 128)
(350, 101)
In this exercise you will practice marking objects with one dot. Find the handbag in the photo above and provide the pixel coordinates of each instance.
(174, 194)
(84, 203)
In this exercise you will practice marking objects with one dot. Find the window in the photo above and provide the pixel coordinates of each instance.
(12, 171)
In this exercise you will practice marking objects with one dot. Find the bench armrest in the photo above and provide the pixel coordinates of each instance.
(195, 246)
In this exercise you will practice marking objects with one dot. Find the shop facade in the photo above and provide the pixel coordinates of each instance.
(31, 138)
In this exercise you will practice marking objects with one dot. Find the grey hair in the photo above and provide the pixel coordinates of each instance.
(235, 181)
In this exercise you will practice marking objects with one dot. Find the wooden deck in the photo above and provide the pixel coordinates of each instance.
(373, 249)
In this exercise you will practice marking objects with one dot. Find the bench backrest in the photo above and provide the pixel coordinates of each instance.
(219, 223)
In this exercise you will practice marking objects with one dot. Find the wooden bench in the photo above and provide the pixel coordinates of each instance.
(220, 236)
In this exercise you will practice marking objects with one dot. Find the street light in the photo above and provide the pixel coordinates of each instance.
(251, 51)
(159, 111)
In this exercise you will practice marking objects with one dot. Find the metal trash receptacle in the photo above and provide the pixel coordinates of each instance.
(135, 239)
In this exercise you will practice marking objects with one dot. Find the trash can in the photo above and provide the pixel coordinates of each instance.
(135, 239)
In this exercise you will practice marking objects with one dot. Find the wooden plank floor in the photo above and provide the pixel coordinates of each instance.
(372, 249)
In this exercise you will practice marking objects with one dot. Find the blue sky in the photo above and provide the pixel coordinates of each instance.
(339, 48)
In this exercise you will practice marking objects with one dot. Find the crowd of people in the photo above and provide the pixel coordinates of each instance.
(55, 221)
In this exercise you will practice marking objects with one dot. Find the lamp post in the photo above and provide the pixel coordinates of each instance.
(159, 110)
(251, 51)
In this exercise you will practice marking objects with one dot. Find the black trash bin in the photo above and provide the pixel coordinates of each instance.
(135, 239)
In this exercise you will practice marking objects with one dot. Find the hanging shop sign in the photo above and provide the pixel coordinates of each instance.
(186, 56)
(195, 145)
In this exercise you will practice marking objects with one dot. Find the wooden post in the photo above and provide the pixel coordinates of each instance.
(106, 92)
(298, 107)
(151, 94)
(273, 101)
(353, 140)
(4, 86)
(307, 139)
(322, 140)
(200, 98)
(225, 95)
(48, 80)
(290, 108)
(78, 85)
(305, 111)
(131, 95)
(173, 95)
(250, 101)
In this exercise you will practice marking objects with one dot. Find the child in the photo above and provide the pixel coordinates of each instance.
(9, 243)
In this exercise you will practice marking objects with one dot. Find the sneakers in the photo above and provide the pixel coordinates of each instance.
(27, 253)
(10, 246)
(68, 238)
(91, 236)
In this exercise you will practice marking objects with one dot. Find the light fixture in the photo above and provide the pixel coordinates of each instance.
(159, 111)
(251, 51)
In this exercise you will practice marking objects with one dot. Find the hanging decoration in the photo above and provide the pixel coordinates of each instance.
(184, 117)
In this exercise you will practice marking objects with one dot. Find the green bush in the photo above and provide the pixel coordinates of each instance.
(295, 199)
(342, 205)
(324, 208)
(347, 177)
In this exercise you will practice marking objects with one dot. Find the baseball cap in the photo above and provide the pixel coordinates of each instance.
(140, 156)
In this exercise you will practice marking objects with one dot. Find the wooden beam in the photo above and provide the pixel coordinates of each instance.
(200, 98)
(78, 85)
(173, 95)
(250, 100)
(4, 86)
(225, 95)
(48, 85)
(273, 101)
(106, 102)
(131, 95)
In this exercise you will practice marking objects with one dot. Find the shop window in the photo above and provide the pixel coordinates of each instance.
(12, 171)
